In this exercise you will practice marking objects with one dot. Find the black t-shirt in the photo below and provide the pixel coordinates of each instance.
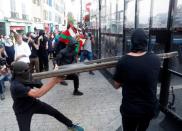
(22, 102)
(34, 51)
(66, 56)
(139, 77)
(43, 42)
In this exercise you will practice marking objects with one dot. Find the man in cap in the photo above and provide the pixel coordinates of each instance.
(137, 73)
(25, 102)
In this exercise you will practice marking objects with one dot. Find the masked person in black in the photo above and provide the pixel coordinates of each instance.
(137, 73)
(68, 56)
(43, 51)
(25, 102)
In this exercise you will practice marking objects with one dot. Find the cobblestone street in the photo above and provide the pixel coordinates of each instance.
(96, 110)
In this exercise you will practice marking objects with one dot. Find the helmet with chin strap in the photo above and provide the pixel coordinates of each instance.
(21, 72)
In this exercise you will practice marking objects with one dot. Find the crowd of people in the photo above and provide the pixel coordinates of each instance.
(23, 54)
(38, 48)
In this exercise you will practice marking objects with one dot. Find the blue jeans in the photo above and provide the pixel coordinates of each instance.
(3, 78)
(86, 55)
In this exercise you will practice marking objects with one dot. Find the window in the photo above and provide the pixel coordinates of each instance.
(50, 3)
(56, 19)
(59, 21)
(144, 16)
(14, 15)
(50, 16)
(13, 6)
(37, 2)
(45, 15)
(23, 8)
(24, 16)
(37, 19)
(178, 14)
(160, 13)
(130, 14)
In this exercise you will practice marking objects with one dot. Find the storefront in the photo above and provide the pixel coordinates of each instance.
(19, 29)
(21, 26)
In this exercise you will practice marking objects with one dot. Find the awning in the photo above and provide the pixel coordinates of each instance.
(17, 27)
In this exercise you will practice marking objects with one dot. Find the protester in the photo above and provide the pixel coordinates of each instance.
(25, 103)
(34, 59)
(2, 40)
(69, 56)
(87, 50)
(10, 51)
(22, 50)
(137, 73)
(4, 72)
(59, 45)
(43, 51)
(50, 45)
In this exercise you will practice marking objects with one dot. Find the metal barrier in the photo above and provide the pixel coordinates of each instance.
(167, 110)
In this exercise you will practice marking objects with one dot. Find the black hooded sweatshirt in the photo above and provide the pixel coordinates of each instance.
(67, 55)
(138, 76)
(138, 40)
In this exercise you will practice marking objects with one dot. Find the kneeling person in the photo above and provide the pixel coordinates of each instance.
(25, 102)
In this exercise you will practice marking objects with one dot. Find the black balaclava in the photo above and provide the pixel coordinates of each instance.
(138, 41)
(21, 72)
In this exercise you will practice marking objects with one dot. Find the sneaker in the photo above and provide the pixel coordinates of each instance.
(77, 93)
(75, 128)
(2, 96)
(91, 73)
(64, 83)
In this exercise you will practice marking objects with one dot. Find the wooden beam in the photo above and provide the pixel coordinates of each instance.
(89, 66)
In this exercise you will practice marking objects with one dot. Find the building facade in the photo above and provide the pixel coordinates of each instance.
(25, 15)
(53, 14)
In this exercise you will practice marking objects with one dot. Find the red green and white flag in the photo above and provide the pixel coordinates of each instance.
(65, 37)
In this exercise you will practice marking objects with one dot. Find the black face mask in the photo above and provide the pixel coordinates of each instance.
(27, 75)
(23, 76)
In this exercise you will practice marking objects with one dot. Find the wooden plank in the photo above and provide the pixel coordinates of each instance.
(89, 66)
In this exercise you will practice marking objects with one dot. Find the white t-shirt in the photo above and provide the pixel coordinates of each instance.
(23, 49)
(88, 45)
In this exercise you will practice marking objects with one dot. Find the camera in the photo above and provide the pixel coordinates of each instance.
(2, 62)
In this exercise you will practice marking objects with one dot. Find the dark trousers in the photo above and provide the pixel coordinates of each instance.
(24, 119)
(34, 64)
(75, 79)
(135, 123)
(43, 61)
